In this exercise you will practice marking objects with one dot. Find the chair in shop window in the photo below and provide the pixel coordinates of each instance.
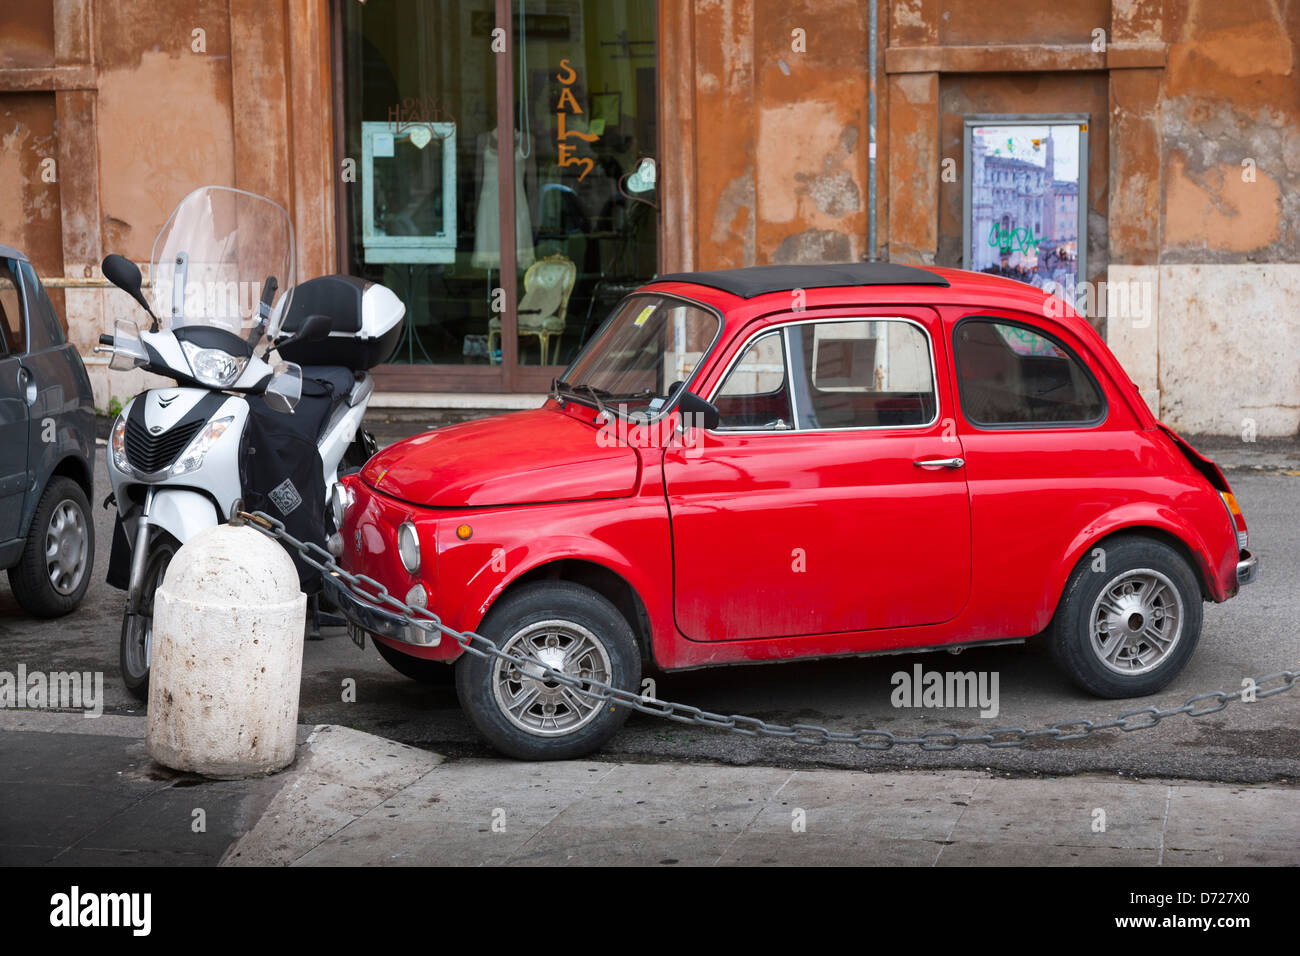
(542, 312)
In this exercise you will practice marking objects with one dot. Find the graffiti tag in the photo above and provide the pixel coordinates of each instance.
(1008, 241)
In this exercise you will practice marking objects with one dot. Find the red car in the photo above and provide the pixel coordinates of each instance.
(789, 462)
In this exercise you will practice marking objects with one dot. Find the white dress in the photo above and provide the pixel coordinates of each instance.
(487, 226)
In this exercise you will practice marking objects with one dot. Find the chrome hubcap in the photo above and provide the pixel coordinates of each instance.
(544, 707)
(65, 547)
(1136, 621)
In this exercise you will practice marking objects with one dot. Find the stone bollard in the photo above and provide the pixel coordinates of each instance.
(227, 656)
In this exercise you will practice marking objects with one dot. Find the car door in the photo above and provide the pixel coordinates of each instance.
(831, 498)
(1047, 456)
(14, 395)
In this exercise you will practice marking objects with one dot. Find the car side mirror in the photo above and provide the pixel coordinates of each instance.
(696, 412)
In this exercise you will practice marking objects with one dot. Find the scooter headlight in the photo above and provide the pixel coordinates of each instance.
(340, 502)
(192, 458)
(117, 446)
(213, 366)
(408, 546)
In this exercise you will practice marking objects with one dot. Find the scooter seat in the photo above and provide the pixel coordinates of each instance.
(336, 378)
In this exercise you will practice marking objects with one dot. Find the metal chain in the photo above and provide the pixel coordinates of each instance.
(368, 589)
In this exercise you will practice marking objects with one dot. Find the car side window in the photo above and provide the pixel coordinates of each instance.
(755, 395)
(1011, 374)
(862, 373)
(44, 327)
(13, 338)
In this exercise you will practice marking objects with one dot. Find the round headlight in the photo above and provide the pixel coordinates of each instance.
(340, 501)
(408, 546)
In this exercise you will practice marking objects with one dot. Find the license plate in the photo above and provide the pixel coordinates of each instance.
(357, 634)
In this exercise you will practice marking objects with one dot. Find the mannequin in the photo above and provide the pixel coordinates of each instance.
(487, 224)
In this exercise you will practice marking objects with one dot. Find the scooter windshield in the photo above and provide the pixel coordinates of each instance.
(224, 259)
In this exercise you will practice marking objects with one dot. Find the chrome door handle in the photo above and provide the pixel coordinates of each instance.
(940, 463)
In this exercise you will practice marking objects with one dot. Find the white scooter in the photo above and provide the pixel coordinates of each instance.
(238, 430)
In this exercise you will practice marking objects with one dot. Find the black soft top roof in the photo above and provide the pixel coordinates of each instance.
(760, 280)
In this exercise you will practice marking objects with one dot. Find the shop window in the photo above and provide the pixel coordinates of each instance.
(423, 122)
(586, 108)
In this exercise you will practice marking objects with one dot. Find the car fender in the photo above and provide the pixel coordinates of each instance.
(486, 584)
(70, 445)
(1137, 516)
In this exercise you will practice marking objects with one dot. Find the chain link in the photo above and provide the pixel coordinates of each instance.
(368, 589)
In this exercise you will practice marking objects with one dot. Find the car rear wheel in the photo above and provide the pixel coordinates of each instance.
(572, 630)
(433, 673)
(1129, 619)
(52, 576)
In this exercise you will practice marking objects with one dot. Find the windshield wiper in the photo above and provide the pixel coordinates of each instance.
(596, 394)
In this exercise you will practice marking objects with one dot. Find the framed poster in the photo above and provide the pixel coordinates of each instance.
(1024, 199)
(408, 192)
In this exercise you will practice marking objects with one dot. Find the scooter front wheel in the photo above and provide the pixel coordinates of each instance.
(137, 628)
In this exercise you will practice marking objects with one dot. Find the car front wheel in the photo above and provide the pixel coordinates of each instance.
(1129, 619)
(572, 630)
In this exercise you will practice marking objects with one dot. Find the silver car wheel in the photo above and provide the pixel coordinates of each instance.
(1136, 621)
(66, 547)
(544, 707)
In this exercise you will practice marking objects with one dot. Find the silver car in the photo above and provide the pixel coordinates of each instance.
(47, 437)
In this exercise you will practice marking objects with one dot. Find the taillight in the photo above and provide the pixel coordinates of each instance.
(1236, 517)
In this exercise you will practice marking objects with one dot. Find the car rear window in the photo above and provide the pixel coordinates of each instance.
(12, 338)
(1014, 375)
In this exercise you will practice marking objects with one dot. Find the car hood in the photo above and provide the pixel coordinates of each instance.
(518, 458)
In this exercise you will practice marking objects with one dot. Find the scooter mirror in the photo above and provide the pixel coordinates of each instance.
(285, 387)
(125, 274)
(128, 351)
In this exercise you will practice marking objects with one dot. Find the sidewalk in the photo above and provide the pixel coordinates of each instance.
(78, 792)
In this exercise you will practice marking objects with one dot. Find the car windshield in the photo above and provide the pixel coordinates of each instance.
(225, 258)
(648, 348)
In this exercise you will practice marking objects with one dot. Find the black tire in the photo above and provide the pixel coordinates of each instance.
(587, 617)
(136, 628)
(1138, 607)
(433, 673)
(40, 590)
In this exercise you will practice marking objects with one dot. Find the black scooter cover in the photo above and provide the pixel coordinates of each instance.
(281, 471)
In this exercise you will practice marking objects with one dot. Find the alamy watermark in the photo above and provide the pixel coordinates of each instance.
(922, 688)
(1132, 301)
(53, 690)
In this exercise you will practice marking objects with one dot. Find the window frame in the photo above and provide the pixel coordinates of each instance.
(784, 329)
(1051, 337)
